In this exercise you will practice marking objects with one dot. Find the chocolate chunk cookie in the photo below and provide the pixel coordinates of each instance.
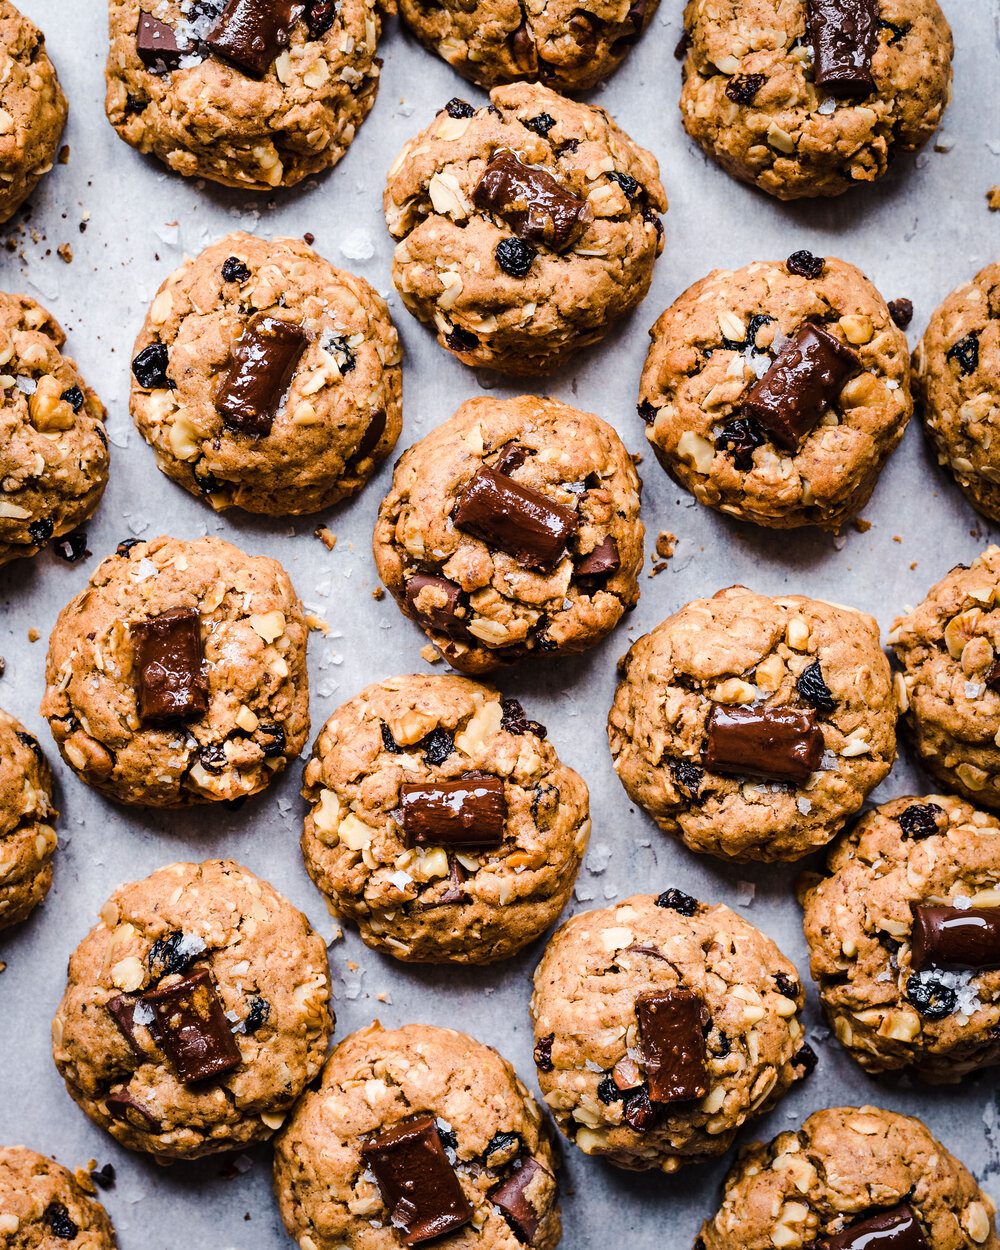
(249, 93)
(811, 97)
(441, 820)
(32, 110)
(904, 938)
(776, 392)
(43, 1207)
(179, 674)
(956, 370)
(195, 1013)
(662, 1025)
(850, 1178)
(267, 379)
(414, 1134)
(27, 816)
(53, 448)
(751, 727)
(526, 228)
(513, 528)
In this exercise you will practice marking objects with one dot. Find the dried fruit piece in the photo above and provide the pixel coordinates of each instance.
(743, 88)
(814, 690)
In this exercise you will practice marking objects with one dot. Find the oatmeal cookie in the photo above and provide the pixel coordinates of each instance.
(236, 93)
(848, 1175)
(441, 820)
(43, 1207)
(53, 448)
(751, 727)
(776, 392)
(661, 1026)
(956, 373)
(904, 938)
(266, 379)
(195, 1012)
(179, 674)
(27, 816)
(526, 228)
(513, 528)
(415, 1133)
(784, 98)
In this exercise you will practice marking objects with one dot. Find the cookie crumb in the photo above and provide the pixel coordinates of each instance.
(64, 154)
(430, 654)
(326, 536)
(666, 544)
(861, 525)
(897, 538)
(65, 253)
(317, 623)
(378, 594)
(33, 635)
(993, 199)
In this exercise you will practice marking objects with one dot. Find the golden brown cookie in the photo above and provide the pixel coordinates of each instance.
(43, 1206)
(27, 817)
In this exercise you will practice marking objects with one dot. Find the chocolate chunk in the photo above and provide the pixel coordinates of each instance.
(437, 746)
(156, 43)
(543, 1053)
(541, 124)
(457, 107)
(740, 438)
(59, 1223)
(41, 531)
(844, 38)
(72, 547)
(743, 88)
(510, 457)
(515, 256)
(677, 900)
(672, 1038)
(129, 1015)
(993, 675)
(901, 311)
(920, 820)
(897, 1229)
(537, 207)
(931, 997)
(150, 368)
(955, 938)
(250, 33)
(120, 1102)
(814, 690)
(74, 397)
(515, 519)
(780, 743)
(600, 562)
(514, 721)
(371, 437)
(263, 361)
(417, 1183)
(234, 270)
(965, 353)
(513, 1201)
(470, 811)
(191, 1028)
(455, 890)
(170, 667)
(804, 264)
(446, 613)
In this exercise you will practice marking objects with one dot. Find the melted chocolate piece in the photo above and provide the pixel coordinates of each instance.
(471, 811)
(263, 362)
(445, 617)
(604, 559)
(780, 743)
(250, 33)
(672, 1036)
(887, 1230)
(371, 437)
(122, 1010)
(844, 39)
(955, 938)
(156, 43)
(513, 1200)
(515, 519)
(120, 1102)
(170, 667)
(191, 1028)
(417, 1183)
(802, 382)
(535, 205)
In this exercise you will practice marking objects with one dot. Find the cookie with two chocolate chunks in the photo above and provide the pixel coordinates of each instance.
(263, 361)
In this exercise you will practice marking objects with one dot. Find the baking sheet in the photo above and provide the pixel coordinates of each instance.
(924, 229)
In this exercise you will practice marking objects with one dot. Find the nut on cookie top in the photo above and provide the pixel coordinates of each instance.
(43, 1205)
(27, 818)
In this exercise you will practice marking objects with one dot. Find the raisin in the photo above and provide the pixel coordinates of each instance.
(389, 742)
(541, 124)
(457, 107)
(543, 1053)
(59, 1222)
(677, 900)
(437, 746)
(134, 104)
(338, 346)
(688, 776)
(807, 1059)
(631, 186)
(213, 757)
(205, 480)
(150, 367)
(72, 547)
(503, 1148)
(965, 353)
(742, 88)
(104, 1177)
(568, 146)
(258, 1015)
(514, 721)
(895, 32)
(31, 742)
(804, 264)
(274, 742)
(545, 643)
(681, 47)
(319, 17)
(608, 1091)
(74, 397)
(740, 438)
(515, 256)
(888, 942)
(172, 954)
(749, 340)
(234, 270)
(41, 531)
(901, 311)
(460, 340)
(449, 1139)
(126, 545)
(723, 1045)
(786, 985)
(931, 997)
(646, 410)
(920, 820)
(814, 690)
(640, 1114)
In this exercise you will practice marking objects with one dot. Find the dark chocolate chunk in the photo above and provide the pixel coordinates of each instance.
(740, 438)
(931, 997)
(681, 47)
(804, 264)
(191, 1028)
(537, 207)
(541, 124)
(173, 954)
(743, 88)
(470, 811)
(389, 742)
(104, 1177)
(897, 1229)
(511, 456)
(41, 531)
(457, 107)
(446, 614)
(543, 1053)
(250, 33)
(418, 1184)
(74, 397)
(901, 311)
(515, 256)
(993, 675)
(806, 377)
(844, 38)
(59, 1223)
(156, 43)
(72, 547)
(437, 746)
(920, 820)
(514, 518)
(513, 1202)
(687, 776)
(602, 561)
(514, 721)
(258, 1015)
(122, 1010)
(502, 1149)
(965, 353)
(150, 368)
(955, 938)
(460, 340)
(122, 1101)
(646, 411)
(371, 437)
(672, 1040)
(631, 186)
(170, 667)
(234, 270)
(814, 690)
(677, 900)
(806, 1059)
(780, 743)
(319, 19)
(263, 361)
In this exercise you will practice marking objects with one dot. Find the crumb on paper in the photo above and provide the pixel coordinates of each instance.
(913, 565)
(317, 624)
(33, 634)
(666, 544)
(897, 538)
(993, 199)
(326, 536)
(636, 457)
(384, 997)
(378, 594)
(65, 253)
(430, 654)
(64, 154)
(861, 525)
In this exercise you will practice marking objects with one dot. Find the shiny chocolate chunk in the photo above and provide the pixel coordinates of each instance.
(955, 938)
(436, 603)
(418, 1184)
(803, 381)
(129, 1015)
(120, 1102)
(896, 1229)
(514, 518)
(780, 743)
(600, 562)
(672, 1040)
(191, 1028)
(471, 811)
(250, 33)
(532, 202)
(263, 362)
(844, 38)
(156, 43)
(170, 667)
(371, 437)
(514, 1197)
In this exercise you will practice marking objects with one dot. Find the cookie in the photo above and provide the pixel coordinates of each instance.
(27, 817)
(511, 529)
(413, 1134)
(53, 448)
(43, 1207)
(246, 93)
(32, 109)
(661, 1026)
(851, 1177)
(195, 1012)
(179, 674)
(904, 938)
(266, 379)
(807, 97)
(441, 820)
(525, 228)
(568, 46)
(751, 727)
(776, 392)
(956, 373)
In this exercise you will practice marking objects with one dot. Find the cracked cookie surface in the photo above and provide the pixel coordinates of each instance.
(722, 335)
(434, 903)
(27, 817)
(339, 414)
(269, 972)
(254, 639)
(744, 650)
(492, 298)
(43, 1206)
